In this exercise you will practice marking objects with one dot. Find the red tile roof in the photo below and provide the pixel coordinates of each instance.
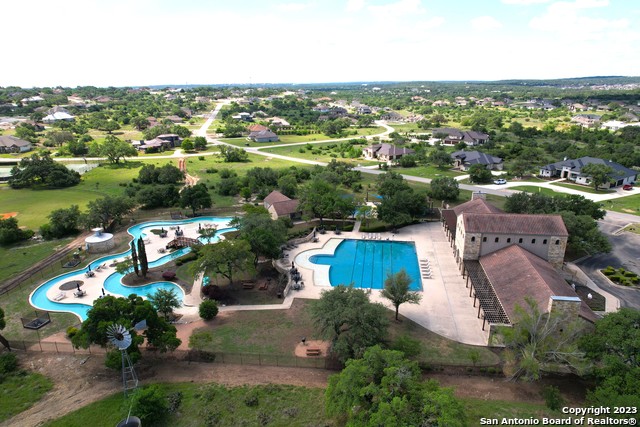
(286, 207)
(275, 197)
(540, 225)
(476, 206)
(516, 273)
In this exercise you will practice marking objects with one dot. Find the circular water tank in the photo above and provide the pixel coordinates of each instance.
(99, 242)
(130, 422)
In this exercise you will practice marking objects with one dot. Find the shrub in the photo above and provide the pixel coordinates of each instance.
(211, 170)
(251, 400)
(150, 405)
(175, 399)
(71, 332)
(8, 363)
(409, 346)
(208, 309)
(552, 398)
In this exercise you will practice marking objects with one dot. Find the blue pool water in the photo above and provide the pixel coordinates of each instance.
(366, 263)
(113, 282)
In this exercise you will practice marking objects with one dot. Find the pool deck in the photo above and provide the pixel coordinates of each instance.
(93, 286)
(446, 307)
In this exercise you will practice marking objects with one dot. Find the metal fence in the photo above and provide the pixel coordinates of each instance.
(256, 359)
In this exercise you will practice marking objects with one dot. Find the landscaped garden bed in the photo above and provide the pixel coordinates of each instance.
(620, 276)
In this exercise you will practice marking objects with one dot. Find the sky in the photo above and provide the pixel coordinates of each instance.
(158, 42)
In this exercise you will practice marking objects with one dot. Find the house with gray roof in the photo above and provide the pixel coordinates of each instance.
(463, 160)
(264, 135)
(571, 170)
(453, 136)
(12, 144)
(385, 152)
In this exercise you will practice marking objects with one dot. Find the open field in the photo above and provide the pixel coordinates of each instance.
(33, 206)
(214, 404)
(17, 258)
(321, 152)
(535, 189)
(278, 332)
(19, 391)
(427, 171)
(628, 204)
(295, 139)
(583, 188)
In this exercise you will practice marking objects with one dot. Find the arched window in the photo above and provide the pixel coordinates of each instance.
(484, 239)
(544, 242)
(520, 240)
(497, 239)
(557, 242)
(473, 238)
(508, 239)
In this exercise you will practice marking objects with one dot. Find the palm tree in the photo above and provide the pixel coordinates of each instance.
(396, 290)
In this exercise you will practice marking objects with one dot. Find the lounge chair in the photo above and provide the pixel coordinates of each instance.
(59, 296)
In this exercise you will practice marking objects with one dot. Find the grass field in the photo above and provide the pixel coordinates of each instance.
(583, 188)
(323, 154)
(33, 206)
(217, 405)
(427, 171)
(16, 259)
(295, 139)
(19, 391)
(277, 405)
(278, 332)
(535, 189)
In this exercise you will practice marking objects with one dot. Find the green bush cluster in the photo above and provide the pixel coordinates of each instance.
(186, 258)
(8, 363)
(208, 309)
(621, 276)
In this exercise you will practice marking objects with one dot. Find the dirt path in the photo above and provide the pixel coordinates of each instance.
(80, 380)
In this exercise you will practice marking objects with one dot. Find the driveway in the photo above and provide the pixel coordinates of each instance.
(625, 253)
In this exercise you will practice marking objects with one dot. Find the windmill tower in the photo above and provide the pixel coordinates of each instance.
(121, 338)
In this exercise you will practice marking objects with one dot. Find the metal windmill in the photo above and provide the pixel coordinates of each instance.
(121, 338)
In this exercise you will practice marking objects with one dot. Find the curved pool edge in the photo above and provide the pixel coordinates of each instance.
(58, 307)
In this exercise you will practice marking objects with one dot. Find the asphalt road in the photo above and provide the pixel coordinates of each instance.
(625, 253)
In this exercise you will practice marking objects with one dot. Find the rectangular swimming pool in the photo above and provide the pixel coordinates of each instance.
(365, 263)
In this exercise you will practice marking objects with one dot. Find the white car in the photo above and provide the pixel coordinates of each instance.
(500, 181)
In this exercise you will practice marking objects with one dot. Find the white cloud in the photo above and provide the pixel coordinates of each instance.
(292, 7)
(398, 9)
(525, 1)
(355, 5)
(483, 23)
(567, 18)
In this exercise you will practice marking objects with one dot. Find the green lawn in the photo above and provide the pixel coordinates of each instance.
(296, 139)
(33, 206)
(217, 405)
(19, 391)
(277, 405)
(628, 204)
(428, 171)
(16, 259)
(278, 332)
(323, 154)
(583, 188)
(407, 127)
(535, 189)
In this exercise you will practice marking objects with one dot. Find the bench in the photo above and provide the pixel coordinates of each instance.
(248, 285)
(313, 352)
(264, 286)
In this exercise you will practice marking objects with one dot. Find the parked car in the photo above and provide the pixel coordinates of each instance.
(627, 187)
(500, 181)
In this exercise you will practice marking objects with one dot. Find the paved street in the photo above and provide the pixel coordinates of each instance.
(625, 253)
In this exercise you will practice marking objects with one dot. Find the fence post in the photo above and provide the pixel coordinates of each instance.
(56, 344)
(259, 359)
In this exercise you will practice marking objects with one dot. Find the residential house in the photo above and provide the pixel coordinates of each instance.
(58, 116)
(244, 116)
(162, 142)
(508, 258)
(263, 136)
(277, 121)
(453, 136)
(571, 170)
(586, 120)
(363, 109)
(385, 152)
(280, 206)
(463, 160)
(12, 144)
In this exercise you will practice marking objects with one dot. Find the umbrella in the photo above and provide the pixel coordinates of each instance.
(89, 268)
(78, 285)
